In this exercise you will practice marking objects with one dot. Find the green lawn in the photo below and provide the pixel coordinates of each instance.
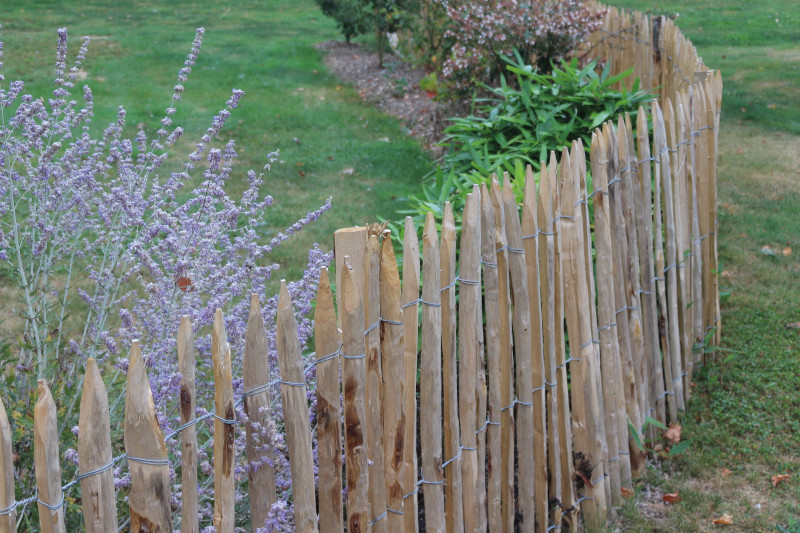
(265, 48)
(745, 412)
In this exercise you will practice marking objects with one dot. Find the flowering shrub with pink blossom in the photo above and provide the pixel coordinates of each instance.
(102, 246)
(480, 34)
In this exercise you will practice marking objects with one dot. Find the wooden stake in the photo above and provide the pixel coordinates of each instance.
(94, 451)
(632, 283)
(224, 422)
(431, 382)
(329, 411)
(410, 336)
(530, 244)
(454, 510)
(578, 158)
(46, 462)
(523, 353)
(644, 224)
(149, 497)
(492, 339)
(621, 292)
(662, 155)
(8, 522)
(295, 409)
(392, 345)
(186, 364)
(507, 427)
(619, 464)
(576, 293)
(261, 475)
(546, 244)
(469, 304)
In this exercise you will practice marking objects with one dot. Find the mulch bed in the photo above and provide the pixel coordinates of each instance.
(393, 89)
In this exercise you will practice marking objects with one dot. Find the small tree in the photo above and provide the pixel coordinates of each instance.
(357, 17)
(351, 16)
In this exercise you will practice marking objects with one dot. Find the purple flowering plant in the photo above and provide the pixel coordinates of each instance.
(101, 246)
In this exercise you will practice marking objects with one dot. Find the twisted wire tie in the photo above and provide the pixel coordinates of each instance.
(282, 382)
(152, 462)
(486, 424)
(489, 264)
(615, 180)
(587, 343)
(468, 282)
(360, 356)
(608, 326)
(95, 471)
(379, 517)
(571, 359)
(55, 507)
(324, 358)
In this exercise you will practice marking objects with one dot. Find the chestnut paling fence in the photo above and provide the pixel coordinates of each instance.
(526, 372)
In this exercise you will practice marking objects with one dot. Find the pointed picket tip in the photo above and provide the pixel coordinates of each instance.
(429, 233)
(448, 219)
(508, 193)
(44, 395)
(568, 188)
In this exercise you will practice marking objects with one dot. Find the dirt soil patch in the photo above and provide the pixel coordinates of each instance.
(393, 88)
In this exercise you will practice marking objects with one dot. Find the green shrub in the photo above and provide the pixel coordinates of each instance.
(521, 123)
(357, 17)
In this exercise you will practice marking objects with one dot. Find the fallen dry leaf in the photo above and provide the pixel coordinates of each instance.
(740, 150)
(787, 251)
(772, 106)
(726, 274)
(724, 520)
(726, 472)
(673, 434)
(626, 492)
(793, 325)
(671, 499)
(777, 479)
(766, 250)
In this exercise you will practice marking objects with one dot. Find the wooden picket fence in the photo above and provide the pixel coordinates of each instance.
(514, 390)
